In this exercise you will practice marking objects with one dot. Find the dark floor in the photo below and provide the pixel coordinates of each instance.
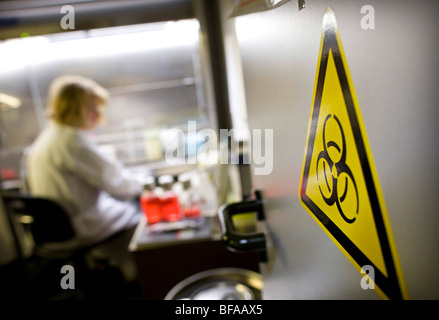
(42, 279)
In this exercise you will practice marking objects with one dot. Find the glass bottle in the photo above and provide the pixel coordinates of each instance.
(170, 205)
(150, 202)
(190, 199)
(207, 192)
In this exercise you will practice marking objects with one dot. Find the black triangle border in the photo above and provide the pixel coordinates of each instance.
(389, 285)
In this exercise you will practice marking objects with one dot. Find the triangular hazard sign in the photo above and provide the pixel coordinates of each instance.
(339, 185)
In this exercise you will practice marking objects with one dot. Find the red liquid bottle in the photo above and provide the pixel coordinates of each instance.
(192, 212)
(170, 205)
(150, 203)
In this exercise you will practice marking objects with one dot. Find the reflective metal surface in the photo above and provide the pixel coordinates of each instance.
(219, 284)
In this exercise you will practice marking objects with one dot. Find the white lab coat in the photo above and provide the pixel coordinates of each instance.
(97, 192)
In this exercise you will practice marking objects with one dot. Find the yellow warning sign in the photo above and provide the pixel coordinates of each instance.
(339, 185)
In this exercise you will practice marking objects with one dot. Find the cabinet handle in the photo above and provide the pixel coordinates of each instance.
(237, 241)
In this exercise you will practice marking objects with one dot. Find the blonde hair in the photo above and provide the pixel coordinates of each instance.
(70, 96)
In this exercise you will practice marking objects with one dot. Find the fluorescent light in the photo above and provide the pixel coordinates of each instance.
(9, 102)
(18, 53)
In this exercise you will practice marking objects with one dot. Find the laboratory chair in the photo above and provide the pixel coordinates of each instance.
(45, 221)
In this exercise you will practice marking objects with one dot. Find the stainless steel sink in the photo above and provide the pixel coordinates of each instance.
(219, 284)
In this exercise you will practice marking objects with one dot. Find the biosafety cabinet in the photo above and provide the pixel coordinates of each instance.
(335, 103)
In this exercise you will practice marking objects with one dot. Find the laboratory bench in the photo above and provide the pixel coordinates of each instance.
(168, 253)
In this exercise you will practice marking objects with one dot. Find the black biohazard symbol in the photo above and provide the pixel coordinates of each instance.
(335, 178)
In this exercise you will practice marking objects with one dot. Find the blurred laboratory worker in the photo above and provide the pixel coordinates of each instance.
(63, 165)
